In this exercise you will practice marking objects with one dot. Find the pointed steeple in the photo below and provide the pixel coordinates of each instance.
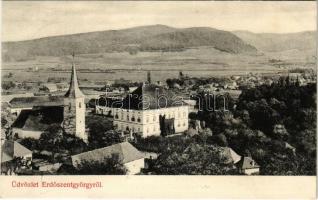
(74, 90)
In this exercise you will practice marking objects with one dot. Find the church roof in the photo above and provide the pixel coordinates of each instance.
(22, 102)
(74, 90)
(150, 96)
(11, 149)
(126, 152)
(39, 119)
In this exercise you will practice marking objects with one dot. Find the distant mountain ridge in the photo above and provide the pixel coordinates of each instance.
(144, 38)
(275, 42)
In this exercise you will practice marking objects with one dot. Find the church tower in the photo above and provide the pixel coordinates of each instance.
(74, 109)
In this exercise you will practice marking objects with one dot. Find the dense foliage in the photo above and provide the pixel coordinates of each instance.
(101, 132)
(276, 125)
(109, 166)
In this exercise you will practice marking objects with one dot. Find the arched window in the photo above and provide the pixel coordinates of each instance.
(79, 105)
(138, 120)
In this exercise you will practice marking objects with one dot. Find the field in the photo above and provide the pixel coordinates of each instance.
(199, 62)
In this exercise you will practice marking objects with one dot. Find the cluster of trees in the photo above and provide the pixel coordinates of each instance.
(101, 132)
(182, 155)
(54, 140)
(276, 125)
(109, 166)
(7, 85)
(194, 81)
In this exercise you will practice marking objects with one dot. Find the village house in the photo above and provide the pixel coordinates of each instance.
(49, 87)
(229, 155)
(10, 151)
(248, 166)
(128, 155)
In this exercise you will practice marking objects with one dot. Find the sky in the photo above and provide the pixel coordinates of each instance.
(23, 20)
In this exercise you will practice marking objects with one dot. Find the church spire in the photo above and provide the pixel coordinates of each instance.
(74, 90)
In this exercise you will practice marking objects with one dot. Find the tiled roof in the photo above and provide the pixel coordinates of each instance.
(149, 96)
(21, 102)
(230, 155)
(51, 86)
(11, 149)
(125, 151)
(247, 163)
(8, 98)
(40, 119)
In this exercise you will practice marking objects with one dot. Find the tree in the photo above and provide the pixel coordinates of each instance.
(221, 140)
(280, 132)
(109, 166)
(7, 120)
(51, 139)
(7, 85)
(101, 132)
(194, 159)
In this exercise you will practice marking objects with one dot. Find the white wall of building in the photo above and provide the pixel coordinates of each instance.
(25, 134)
(17, 111)
(80, 118)
(135, 166)
(147, 121)
(251, 171)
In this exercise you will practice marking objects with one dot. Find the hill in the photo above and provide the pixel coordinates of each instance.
(144, 38)
(271, 42)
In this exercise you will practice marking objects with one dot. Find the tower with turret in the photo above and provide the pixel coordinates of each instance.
(74, 109)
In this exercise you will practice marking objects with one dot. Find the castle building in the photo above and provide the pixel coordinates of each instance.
(148, 110)
(36, 114)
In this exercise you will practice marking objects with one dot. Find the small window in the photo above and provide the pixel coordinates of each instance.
(79, 105)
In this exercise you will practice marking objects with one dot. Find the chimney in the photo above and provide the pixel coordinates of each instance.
(148, 77)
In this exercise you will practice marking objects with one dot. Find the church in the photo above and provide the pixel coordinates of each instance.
(36, 114)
